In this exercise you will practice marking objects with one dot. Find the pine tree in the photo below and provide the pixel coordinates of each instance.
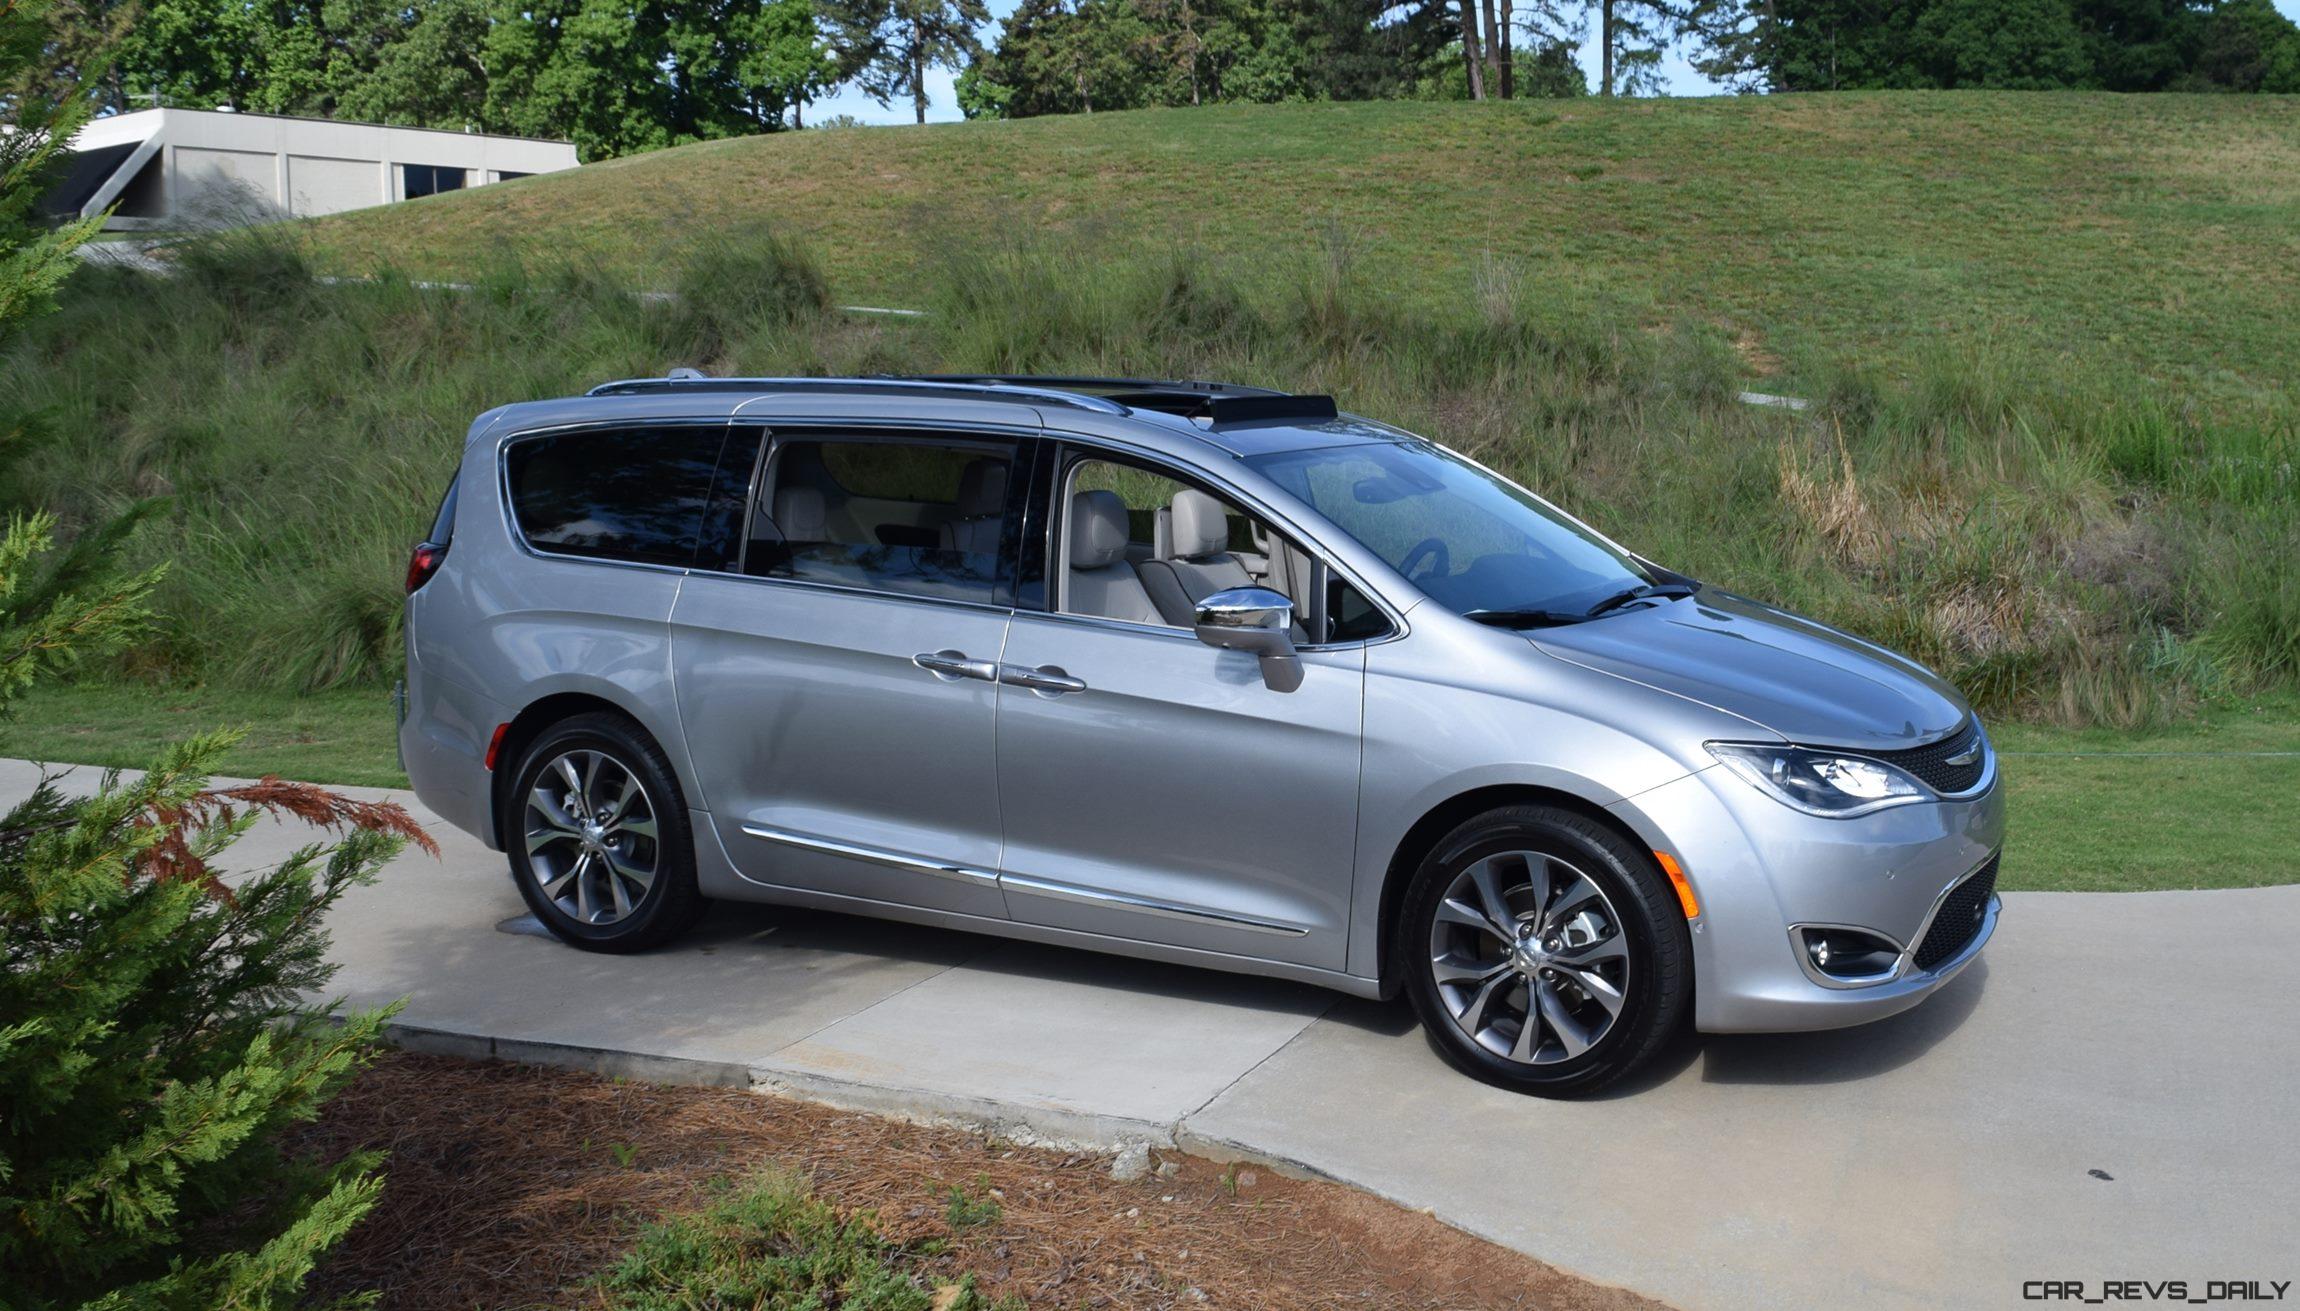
(154, 1040)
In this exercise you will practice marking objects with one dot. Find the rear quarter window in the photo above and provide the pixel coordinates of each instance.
(631, 494)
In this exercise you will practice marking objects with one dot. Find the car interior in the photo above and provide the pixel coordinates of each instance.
(1144, 548)
(899, 516)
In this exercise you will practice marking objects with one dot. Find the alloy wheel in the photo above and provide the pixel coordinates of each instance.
(1529, 957)
(592, 837)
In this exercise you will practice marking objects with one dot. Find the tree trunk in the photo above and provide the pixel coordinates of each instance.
(799, 114)
(1492, 48)
(918, 69)
(1605, 44)
(1508, 60)
(1471, 56)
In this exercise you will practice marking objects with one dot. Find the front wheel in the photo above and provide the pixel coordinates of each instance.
(598, 837)
(1544, 952)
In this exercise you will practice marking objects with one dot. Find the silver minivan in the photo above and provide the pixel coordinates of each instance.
(1188, 671)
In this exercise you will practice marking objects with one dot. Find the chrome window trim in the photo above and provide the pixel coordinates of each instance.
(1904, 964)
(1055, 890)
(874, 594)
(972, 875)
(1056, 553)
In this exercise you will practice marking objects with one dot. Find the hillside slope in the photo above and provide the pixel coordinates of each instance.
(2154, 233)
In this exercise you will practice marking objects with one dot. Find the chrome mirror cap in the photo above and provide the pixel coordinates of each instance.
(1256, 620)
(1246, 607)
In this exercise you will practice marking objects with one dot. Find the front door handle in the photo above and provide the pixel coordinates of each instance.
(1050, 679)
(950, 664)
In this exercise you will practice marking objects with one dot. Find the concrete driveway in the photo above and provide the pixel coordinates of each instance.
(2110, 1093)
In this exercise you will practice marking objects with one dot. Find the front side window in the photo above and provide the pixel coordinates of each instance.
(1143, 546)
(1471, 541)
(631, 494)
(917, 516)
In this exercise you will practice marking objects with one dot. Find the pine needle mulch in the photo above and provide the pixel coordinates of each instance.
(512, 1186)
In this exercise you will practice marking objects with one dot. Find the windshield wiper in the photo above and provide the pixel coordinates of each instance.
(1523, 618)
(1641, 592)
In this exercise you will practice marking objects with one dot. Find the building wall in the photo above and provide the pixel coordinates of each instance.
(218, 166)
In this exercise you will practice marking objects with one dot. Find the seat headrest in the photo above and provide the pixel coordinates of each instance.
(1201, 525)
(799, 514)
(1098, 531)
(982, 489)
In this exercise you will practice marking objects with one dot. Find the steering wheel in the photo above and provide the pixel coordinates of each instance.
(1429, 551)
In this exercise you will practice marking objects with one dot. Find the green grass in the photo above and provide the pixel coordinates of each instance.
(2204, 804)
(771, 1245)
(2153, 234)
(344, 736)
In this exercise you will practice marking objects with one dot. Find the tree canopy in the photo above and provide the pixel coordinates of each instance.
(614, 77)
(2106, 45)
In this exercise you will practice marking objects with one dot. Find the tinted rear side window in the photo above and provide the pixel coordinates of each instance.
(635, 494)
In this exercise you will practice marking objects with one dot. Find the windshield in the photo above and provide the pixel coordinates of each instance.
(1469, 540)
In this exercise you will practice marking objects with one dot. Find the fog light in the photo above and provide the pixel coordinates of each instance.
(1848, 957)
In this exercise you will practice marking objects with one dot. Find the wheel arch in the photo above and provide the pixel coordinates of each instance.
(1443, 818)
(537, 717)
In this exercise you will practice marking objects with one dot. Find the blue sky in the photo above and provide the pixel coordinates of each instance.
(1682, 80)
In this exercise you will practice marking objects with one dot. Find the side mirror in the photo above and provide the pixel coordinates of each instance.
(1258, 620)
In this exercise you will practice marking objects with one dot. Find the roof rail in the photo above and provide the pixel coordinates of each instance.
(1093, 385)
(955, 389)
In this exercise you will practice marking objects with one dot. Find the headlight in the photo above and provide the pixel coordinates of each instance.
(1820, 782)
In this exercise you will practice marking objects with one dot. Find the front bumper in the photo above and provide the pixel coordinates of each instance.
(1760, 870)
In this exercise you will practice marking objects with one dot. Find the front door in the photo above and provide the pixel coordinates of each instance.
(1153, 788)
(839, 695)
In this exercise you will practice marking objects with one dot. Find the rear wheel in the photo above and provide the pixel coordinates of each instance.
(598, 837)
(1544, 952)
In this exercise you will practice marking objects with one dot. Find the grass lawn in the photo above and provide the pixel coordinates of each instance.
(2153, 233)
(2200, 804)
(326, 737)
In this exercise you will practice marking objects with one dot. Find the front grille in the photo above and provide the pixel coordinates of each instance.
(1959, 919)
(1931, 764)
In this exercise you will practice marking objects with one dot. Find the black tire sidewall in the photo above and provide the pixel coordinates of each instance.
(1660, 947)
(673, 902)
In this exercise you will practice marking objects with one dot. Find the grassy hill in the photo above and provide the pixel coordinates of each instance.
(2155, 234)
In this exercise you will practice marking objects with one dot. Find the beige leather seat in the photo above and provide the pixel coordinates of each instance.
(1200, 563)
(1101, 582)
(981, 509)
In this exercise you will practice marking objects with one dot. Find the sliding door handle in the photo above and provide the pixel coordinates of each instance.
(949, 664)
(1050, 679)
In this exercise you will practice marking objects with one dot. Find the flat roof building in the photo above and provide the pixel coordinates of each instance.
(169, 168)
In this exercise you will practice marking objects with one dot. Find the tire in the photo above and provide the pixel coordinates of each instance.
(578, 866)
(1573, 954)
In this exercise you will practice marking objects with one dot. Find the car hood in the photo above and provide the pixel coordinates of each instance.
(1804, 680)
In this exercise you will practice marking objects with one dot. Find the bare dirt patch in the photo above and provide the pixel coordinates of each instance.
(510, 1186)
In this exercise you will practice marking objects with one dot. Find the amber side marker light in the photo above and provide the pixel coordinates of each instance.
(1676, 875)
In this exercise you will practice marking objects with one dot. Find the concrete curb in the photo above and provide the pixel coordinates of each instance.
(565, 1056)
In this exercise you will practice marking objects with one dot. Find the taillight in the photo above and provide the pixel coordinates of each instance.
(424, 563)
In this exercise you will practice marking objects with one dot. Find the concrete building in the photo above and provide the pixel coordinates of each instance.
(166, 168)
